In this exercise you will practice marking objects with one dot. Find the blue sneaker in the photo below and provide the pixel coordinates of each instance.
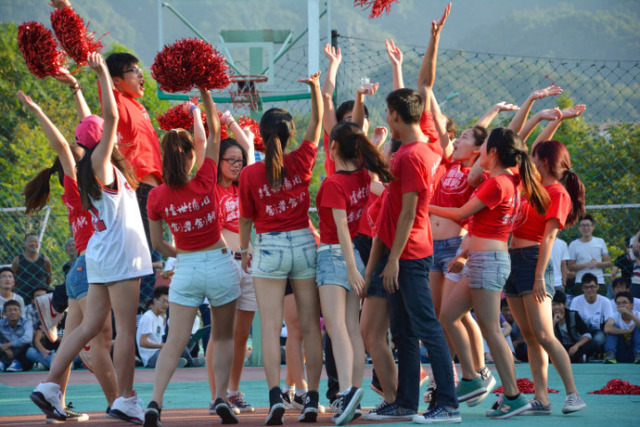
(468, 389)
(389, 412)
(440, 414)
(15, 366)
(508, 408)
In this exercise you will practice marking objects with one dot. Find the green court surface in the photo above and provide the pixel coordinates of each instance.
(187, 399)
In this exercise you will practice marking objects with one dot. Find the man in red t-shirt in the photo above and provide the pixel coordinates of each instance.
(402, 256)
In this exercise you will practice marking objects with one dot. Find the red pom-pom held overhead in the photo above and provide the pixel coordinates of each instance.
(254, 126)
(176, 117)
(40, 50)
(190, 63)
(73, 35)
(377, 6)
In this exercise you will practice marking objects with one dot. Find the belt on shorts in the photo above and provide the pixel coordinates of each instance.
(328, 247)
(236, 255)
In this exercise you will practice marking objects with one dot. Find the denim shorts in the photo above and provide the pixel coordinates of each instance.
(454, 277)
(332, 268)
(286, 254)
(443, 252)
(487, 270)
(523, 269)
(77, 284)
(376, 288)
(247, 300)
(212, 274)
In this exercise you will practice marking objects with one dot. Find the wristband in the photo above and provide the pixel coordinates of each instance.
(243, 251)
(75, 87)
(193, 107)
(539, 280)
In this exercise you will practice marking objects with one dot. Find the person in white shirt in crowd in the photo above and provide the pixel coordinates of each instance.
(7, 283)
(588, 254)
(594, 309)
(622, 285)
(634, 255)
(559, 259)
(623, 330)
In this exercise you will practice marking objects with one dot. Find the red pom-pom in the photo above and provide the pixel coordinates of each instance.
(74, 36)
(254, 126)
(190, 63)
(377, 6)
(524, 386)
(176, 117)
(618, 386)
(40, 50)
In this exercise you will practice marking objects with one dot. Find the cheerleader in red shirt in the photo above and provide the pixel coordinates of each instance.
(492, 207)
(189, 207)
(529, 288)
(274, 195)
(341, 201)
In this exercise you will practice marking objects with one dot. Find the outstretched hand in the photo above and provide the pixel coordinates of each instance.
(64, 76)
(547, 91)
(436, 27)
(573, 112)
(368, 88)
(27, 101)
(312, 80)
(333, 54)
(60, 4)
(96, 61)
(395, 54)
(550, 114)
(379, 136)
(503, 106)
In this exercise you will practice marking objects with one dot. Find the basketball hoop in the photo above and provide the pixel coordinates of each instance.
(246, 90)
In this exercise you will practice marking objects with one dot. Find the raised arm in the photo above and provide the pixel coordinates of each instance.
(395, 56)
(357, 115)
(213, 121)
(244, 136)
(440, 122)
(82, 108)
(101, 157)
(427, 72)
(60, 4)
(568, 113)
(313, 130)
(488, 117)
(551, 114)
(199, 135)
(329, 119)
(518, 120)
(56, 140)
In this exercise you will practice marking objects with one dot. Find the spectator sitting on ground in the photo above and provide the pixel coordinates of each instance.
(623, 331)
(571, 330)
(7, 282)
(622, 264)
(622, 285)
(588, 254)
(594, 309)
(16, 334)
(151, 330)
(517, 340)
(31, 268)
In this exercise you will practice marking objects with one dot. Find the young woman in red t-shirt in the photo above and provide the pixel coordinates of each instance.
(492, 208)
(529, 288)
(274, 195)
(189, 207)
(341, 200)
(234, 155)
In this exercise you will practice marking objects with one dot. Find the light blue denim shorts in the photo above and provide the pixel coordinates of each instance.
(332, 268)
(487, 270)
(76, 283)
(286, 254)
(212, 274)
(443, 252)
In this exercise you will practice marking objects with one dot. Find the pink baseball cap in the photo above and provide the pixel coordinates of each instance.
(89, 131)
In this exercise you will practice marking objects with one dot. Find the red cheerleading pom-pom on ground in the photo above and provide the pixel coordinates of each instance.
(74, 36)
(618, 386)
(254, 126)
(40, 50)
(190, 63)
(377, 6)
(525, 385)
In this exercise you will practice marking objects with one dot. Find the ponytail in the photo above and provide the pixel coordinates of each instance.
(36, 192)
(535, 192)
(372, 158)
(274, 162)
(177, 144)
(575, 188)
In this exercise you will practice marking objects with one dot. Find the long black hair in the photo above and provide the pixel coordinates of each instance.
(276, 129)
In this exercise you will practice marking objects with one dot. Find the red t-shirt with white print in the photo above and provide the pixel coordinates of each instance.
(529, 224)
(190, 211)
(79, 219)
(501, 196)
(347, 191)
(228, 207)
(453, 189)
(414, 167)
(285, 209)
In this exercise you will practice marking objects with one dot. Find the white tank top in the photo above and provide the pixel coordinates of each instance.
(118, 249)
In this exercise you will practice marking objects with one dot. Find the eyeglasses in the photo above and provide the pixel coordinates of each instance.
(233, 162)
(163, 301)
(589, 286)
(135, 70)
(585, 225)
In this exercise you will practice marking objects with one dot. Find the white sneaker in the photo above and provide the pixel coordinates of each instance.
(48, 316)
(127, 409)
(49, 399)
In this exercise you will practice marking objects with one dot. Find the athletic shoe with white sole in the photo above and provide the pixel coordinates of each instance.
(225, 412)
(488, 381)
(152, 415)
(349, 401)
(510, 407)
(573, 403)
(48, 397)
(439, 415)
(49, 318)
(237, 401)
(127, 409)
(538, 408)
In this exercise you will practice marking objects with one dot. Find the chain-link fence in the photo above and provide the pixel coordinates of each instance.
(604, 143)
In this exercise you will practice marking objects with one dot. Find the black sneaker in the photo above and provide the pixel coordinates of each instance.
(309, 412)
(298, 401)
(73, 415)
(288, 397)
(276, 407)
(225, 412)
(152, 415)
(349, 402)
